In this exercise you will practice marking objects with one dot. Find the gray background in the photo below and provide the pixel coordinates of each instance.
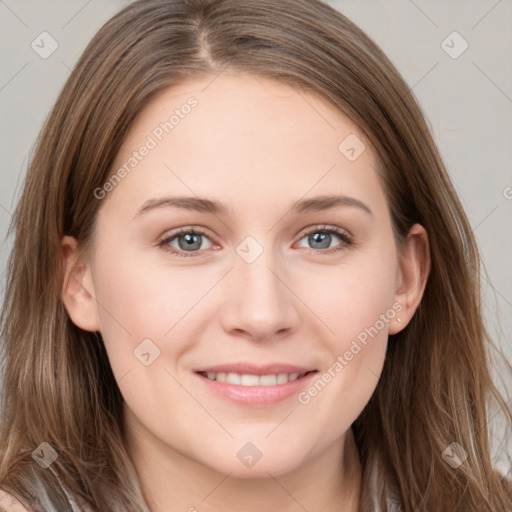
(467, 100)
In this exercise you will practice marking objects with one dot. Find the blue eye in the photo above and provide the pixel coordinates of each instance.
(320, 239)
(190, 241)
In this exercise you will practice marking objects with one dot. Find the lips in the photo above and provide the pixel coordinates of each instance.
(255, 369)
(253, 385)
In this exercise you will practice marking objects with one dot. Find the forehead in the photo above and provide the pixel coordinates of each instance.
(263, 139)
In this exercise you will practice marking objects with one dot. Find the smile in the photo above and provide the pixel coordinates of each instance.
(249, 385)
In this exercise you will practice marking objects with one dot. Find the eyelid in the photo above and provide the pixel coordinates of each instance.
(323, 227)
(185, 230)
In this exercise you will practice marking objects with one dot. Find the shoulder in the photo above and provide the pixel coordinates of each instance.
(9, 503)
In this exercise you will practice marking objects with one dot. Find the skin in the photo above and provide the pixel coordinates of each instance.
(258, 146)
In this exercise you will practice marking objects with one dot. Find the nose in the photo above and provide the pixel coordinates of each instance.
(261, 304)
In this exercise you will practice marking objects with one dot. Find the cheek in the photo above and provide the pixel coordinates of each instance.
(140, 301)
(134, 305)
(355, 305)
(351, 297)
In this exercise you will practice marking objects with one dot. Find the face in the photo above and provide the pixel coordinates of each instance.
(245, 275)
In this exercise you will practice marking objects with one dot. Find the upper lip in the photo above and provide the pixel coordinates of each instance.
(252, 369)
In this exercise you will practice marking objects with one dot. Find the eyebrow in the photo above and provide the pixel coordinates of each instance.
(204, 205)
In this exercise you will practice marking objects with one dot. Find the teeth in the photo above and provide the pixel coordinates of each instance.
(271, 380)
(247, 379)
(282, 378)
(233, 378)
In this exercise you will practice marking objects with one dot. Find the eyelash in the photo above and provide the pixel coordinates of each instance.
(346, 240)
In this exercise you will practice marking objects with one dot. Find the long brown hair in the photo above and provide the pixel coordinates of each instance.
(436, 387)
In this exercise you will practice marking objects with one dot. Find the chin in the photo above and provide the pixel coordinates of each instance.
(250, 462)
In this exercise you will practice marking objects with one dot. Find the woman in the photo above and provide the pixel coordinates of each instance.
(169, 344)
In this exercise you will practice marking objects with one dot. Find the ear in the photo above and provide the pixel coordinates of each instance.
(78, 293)
(414, 269)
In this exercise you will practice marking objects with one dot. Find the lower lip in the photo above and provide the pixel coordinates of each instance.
(257, 395)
